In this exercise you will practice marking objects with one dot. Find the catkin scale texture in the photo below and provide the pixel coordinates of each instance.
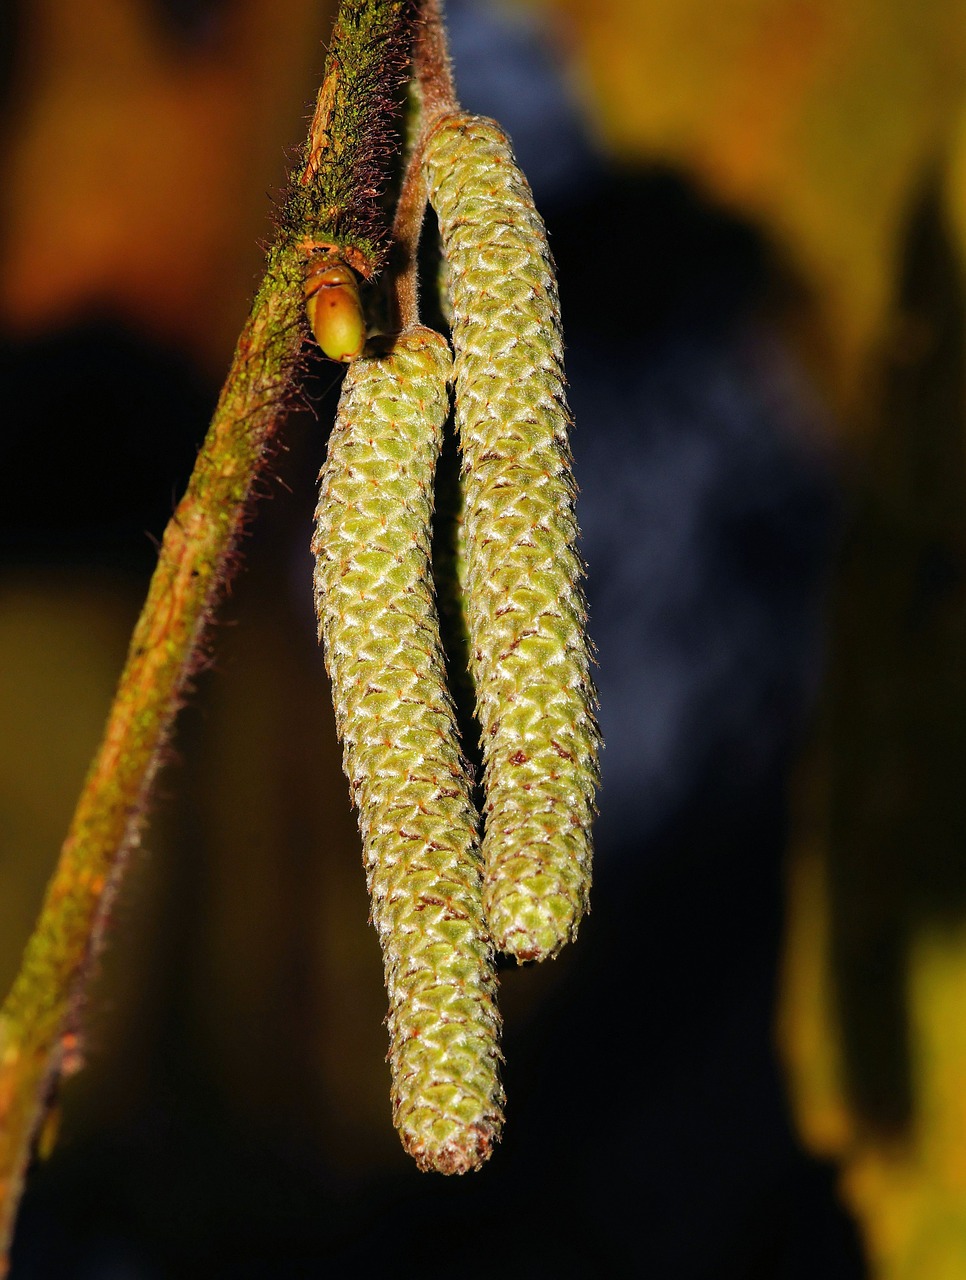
(526, 612)
(378, 621)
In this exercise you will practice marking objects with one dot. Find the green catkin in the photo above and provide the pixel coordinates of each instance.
(526, 613)
(378, 620)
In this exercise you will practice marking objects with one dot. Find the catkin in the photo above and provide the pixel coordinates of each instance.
(395, 717)
(526, 613)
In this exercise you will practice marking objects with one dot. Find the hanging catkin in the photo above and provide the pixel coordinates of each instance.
(525, 605)
(395, 717)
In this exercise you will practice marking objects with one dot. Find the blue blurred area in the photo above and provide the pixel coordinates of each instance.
(505, 69)
(705, 518)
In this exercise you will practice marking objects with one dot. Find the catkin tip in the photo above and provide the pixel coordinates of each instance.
(531, 930)
(463, 1153)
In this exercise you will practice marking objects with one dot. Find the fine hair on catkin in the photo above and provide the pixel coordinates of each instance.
(395, 717)
(526, 614)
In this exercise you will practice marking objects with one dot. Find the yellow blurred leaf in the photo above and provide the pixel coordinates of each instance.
(806, 1027)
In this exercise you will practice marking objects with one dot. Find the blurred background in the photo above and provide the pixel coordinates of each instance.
(753, 1063)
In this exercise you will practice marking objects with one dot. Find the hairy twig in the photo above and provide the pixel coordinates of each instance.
(432, 68)
(436, 97)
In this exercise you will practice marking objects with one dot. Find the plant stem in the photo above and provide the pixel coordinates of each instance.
(432, 67)
(333, 199)
(405, 242)
(436, 91)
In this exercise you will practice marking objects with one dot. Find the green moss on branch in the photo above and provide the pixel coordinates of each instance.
(337, 201)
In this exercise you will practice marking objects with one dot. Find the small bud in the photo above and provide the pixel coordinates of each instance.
(334, 309)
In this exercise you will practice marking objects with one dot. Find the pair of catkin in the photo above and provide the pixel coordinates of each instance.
(439, 901)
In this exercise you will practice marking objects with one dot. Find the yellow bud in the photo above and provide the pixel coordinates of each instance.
(334, 310)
